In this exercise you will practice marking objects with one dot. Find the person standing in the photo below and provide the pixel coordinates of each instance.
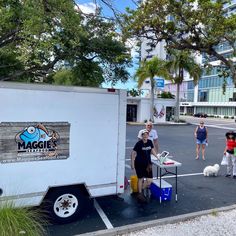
(201, 134)
(229, 152)
(152, 135)
(141, 162)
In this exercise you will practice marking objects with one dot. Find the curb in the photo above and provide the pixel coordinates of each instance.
(159, 124)
(153, 223)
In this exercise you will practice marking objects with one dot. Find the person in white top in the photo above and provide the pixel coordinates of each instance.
(152, 135)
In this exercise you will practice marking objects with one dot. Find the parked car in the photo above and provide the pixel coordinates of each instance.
(200, 114)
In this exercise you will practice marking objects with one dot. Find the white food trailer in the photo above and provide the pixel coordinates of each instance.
(60, 145)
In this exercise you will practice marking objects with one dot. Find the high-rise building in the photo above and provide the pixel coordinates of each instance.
(207, 96)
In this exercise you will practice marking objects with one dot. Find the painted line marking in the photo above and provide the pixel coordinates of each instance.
(102, 215)
(173, 176)
(215, 126)
(184, 175)
(127, 166)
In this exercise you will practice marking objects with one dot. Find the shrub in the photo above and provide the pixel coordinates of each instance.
(20, 221)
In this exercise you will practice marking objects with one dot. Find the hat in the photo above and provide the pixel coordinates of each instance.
(230, 133)
(144, 131)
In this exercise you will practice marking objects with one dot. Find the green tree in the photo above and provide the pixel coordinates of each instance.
(179, 62)
(134, 92)
(37, 37)
(150, 69)
(165, 94)
(199, 25)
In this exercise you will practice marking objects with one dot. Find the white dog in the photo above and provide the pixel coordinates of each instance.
(211, 170)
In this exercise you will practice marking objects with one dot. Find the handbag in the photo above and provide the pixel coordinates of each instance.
(224, 161)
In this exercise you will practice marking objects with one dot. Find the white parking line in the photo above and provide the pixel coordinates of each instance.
(103, 215)
(127, 166)
(215, 126)
(173, 176)
(184, 175)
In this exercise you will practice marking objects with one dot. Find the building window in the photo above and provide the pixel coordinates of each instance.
(234, 96)
(203, 96)
(215, 110)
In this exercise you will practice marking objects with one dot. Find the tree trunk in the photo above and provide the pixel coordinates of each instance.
(177, 104)
(181, 78)
(234, 78)
(152, 99)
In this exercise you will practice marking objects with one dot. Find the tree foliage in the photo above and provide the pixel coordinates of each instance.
(179, 62)
(134, 92)
(38, 37)
(197, 25)
(165, 94)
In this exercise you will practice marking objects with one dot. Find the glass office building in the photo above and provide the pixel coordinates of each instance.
(207, 96)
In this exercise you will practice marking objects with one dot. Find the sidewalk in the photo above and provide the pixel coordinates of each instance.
(215, 224)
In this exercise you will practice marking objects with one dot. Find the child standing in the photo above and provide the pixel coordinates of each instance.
(229, 152)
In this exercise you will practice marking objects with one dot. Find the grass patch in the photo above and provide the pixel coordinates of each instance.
(20, 221)
(214, 213)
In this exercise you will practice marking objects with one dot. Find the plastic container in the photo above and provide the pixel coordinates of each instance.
(134, 183)
(165, 191)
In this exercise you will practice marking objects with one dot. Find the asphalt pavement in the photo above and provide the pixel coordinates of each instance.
(195, 192)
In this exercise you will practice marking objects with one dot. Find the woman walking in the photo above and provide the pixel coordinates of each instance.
(201, 134)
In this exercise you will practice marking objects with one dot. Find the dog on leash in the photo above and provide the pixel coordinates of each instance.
(211, 170)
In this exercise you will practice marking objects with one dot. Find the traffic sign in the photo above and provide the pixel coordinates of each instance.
(160, 83)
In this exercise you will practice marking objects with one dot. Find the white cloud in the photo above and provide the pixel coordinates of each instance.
(87, 7)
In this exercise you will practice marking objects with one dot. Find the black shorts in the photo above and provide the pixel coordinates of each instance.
(141, 170)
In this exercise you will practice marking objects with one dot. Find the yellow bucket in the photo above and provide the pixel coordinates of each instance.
(134, 183)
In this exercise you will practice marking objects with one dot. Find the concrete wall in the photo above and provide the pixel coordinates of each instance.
(143, 108)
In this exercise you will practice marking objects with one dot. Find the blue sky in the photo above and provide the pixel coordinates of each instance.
(88, 5)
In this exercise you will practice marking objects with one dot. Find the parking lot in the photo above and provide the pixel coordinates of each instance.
(195, 192)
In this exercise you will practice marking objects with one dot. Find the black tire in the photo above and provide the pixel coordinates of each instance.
(65, 205)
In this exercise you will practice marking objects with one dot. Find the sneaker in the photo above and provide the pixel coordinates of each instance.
(141, 198)
(227, 175)
(197, 158)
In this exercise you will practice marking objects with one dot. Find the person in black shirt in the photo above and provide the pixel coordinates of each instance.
(141, 162)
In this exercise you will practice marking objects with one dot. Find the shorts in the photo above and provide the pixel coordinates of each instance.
(201, 141)
(141, 171)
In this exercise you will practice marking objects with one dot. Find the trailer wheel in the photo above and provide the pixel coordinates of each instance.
(65, 205)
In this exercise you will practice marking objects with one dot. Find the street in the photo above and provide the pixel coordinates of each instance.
(195, 192)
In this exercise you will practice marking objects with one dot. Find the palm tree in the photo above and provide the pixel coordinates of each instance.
(179, 62)
(150, 69)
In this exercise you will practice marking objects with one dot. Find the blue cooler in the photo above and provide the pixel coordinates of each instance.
(165, 191)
